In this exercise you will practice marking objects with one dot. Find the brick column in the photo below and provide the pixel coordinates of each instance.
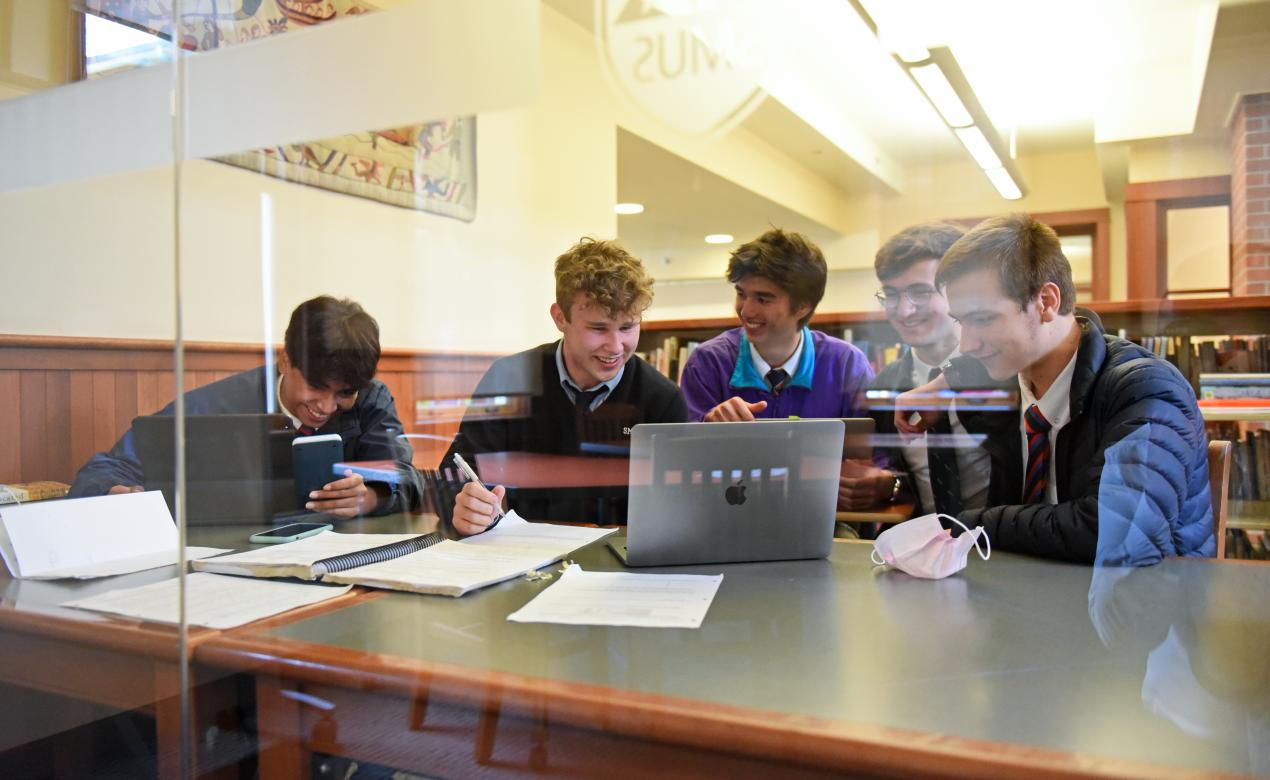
(1250, 197)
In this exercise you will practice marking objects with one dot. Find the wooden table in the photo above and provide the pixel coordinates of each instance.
(126, 664)
(802, 669)
(122, 664)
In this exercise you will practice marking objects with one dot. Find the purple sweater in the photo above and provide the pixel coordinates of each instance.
(830, 381)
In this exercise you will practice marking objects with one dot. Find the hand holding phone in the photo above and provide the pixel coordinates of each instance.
(313, 459)
(288, 533)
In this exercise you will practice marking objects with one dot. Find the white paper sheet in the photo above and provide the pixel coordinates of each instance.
(128, 565)
(603, 598)
(453, 568)
(90, 537)
(211, 600)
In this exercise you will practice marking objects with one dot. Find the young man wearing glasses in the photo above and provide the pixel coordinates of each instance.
(936, 476)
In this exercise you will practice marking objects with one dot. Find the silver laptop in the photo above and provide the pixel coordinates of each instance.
(731, 492)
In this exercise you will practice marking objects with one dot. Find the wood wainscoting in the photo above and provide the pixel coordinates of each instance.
(63, 399)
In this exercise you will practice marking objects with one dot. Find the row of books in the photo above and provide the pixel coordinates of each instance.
(1198, 355)
(1230, 389)
(671, 356)
(1193, 355)
(1250, 461)
(1248, 544)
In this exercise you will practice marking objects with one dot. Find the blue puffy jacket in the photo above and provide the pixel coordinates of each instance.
(1131, 467)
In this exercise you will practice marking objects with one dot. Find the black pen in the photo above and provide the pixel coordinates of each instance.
(471, 474)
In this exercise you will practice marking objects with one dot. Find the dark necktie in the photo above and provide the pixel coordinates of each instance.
(777, 378)
(945, 478)
(582, 399)
(1038, 455)
(306, 430)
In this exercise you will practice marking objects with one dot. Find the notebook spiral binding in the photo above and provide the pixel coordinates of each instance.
(384, 552)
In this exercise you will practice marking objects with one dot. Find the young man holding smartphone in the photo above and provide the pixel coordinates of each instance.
(325, 383)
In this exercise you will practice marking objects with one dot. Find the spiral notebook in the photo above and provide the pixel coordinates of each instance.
(418, 564)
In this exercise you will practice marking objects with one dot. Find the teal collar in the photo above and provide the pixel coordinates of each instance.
(746, 374)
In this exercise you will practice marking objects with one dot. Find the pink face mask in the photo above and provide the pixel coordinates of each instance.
(922, 547)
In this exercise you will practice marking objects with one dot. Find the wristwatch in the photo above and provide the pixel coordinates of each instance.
(895, 488)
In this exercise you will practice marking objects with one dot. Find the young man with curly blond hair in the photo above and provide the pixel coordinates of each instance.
(587, 387)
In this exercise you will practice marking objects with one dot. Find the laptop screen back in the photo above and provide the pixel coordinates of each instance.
(237, 466)
(718, 492)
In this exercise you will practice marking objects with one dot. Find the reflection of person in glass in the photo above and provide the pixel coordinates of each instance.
(1091, 404)
(1204, 633)
(325, 384)
(587, 386)
(935, 479)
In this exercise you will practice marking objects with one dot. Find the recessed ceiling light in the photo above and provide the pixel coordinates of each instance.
(629, 208)
(719, 238)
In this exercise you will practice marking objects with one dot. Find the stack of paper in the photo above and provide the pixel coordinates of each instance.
(211, 601)
(91, 537)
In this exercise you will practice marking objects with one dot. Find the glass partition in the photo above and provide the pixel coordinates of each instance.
(941, 341)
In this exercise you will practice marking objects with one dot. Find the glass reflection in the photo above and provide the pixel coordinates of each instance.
(1202, 634)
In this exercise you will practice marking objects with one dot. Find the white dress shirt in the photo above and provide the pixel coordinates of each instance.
(790, 366)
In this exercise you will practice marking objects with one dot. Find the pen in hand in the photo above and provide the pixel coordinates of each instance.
(471, 474)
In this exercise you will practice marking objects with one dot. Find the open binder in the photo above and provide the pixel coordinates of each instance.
(419, 564)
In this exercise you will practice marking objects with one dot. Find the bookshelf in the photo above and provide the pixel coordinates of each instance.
(1171, 327)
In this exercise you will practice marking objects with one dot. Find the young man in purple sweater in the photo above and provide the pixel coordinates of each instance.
(773, 365)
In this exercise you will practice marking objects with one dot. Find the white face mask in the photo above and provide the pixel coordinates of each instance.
(922, 547)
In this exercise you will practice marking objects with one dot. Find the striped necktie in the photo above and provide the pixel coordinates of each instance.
(777, 378)
(1038, 455)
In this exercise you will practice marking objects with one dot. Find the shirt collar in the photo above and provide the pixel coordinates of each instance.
(571, 389)
(747, 373)
(790, 366)
(921, 369)
(1056, 403)
(295, 421)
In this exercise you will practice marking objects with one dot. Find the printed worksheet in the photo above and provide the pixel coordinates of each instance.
(605, 598)
(211, 600)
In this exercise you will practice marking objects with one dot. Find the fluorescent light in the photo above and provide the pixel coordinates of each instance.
(629, 208)
(719, 238)
(977, 144)
(910, 52)
(941, 94)
(1004, 183)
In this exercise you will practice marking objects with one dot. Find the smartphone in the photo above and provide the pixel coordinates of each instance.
(313, 460)
(288, 533)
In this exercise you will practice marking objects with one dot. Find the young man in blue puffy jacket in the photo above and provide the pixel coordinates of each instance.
(1105, 460)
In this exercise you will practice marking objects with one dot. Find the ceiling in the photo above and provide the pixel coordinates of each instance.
(1044, 70)
(684, 202)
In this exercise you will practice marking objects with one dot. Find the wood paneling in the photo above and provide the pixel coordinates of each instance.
(63, 399)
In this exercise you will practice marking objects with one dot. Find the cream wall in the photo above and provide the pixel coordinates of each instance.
(96, 256)
(1162, 159)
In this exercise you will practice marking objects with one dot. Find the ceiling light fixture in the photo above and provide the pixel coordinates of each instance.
(939, 77)
(719, 238)
(627, 209)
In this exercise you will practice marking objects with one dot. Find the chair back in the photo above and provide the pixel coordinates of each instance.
(1219, 484)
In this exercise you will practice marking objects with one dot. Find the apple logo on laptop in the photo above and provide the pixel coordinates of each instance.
(735, 495)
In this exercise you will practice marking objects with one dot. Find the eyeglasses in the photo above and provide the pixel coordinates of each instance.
(919, 295)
